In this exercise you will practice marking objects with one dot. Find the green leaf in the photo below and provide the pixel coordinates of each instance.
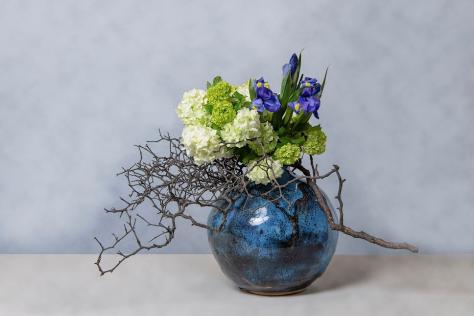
(284, 140)
(324, 83)
(284, 85)
(237, 95)
(245, 154)
(252, 89)
(298, 140)
(304, 128)
(295, 95)
(301, 121)
(299, 81)
(314, 128)
(216, 80)
(266, 116)
(281, 131)
(278, 115)
(208, 108)
(248, 156)
(287, 116)
(237, 100)
(297, 72)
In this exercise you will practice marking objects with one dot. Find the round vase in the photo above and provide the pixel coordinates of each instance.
(272, 245)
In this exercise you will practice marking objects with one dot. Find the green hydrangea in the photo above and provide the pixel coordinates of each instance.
(221, 91)
(222, 113)
(315, 142)
(266, 141)
(288, 154)
(265, 170)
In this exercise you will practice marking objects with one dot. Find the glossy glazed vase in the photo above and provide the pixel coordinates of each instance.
(268, 248)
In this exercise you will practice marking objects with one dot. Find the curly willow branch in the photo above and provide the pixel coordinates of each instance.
(164, 187)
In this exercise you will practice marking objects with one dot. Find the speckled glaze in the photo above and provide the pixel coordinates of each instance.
(266, 247)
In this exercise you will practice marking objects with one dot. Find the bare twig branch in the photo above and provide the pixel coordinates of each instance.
(167, 186)
(311, 180)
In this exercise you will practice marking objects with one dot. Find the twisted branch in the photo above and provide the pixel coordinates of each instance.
(311, 180)
(164, 187)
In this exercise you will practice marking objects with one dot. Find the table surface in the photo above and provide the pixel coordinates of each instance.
(194, 285)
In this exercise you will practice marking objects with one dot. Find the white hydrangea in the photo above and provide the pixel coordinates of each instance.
(191, 108)
(266, 140)
(245, 126)
(202, 143)
(243, 89)
(265, 170)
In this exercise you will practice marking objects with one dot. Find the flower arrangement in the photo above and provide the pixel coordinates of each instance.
(235, 137)
(266, 131)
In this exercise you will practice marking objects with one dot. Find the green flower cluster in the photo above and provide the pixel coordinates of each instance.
(266, 141)
(222, 113)
(288, 154)
(315, 143)
(264, 171)
(266, 131)
(222, 103)
(220, 91)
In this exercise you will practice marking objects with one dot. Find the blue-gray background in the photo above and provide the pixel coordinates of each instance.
(82, 81)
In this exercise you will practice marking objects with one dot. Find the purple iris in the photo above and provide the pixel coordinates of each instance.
(258, 105)
(308, 101)
(310, 87)
(306, 104)
(291, 66)
(265, 98)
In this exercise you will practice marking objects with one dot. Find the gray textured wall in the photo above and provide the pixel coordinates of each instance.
(82, 81)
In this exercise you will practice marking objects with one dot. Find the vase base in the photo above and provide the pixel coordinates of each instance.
(284, 293)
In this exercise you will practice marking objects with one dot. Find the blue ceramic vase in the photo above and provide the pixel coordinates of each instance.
(268, 248)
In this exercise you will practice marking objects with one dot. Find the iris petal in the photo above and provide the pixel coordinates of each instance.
(258, 105)
(291, 66)
(294, 106)
(272, 104)
(264, 93)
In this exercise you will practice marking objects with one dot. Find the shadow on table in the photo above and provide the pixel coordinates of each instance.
(343, 271)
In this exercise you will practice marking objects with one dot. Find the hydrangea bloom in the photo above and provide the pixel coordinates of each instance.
(265, 170)
(191, 108)
(222, 113)
(202, 143)
(266, 141)
(315, 142)
(245, 127)
(251, 122)
(221, 91)
(288, 154)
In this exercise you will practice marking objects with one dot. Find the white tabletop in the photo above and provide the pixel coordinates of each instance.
(193, 285)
